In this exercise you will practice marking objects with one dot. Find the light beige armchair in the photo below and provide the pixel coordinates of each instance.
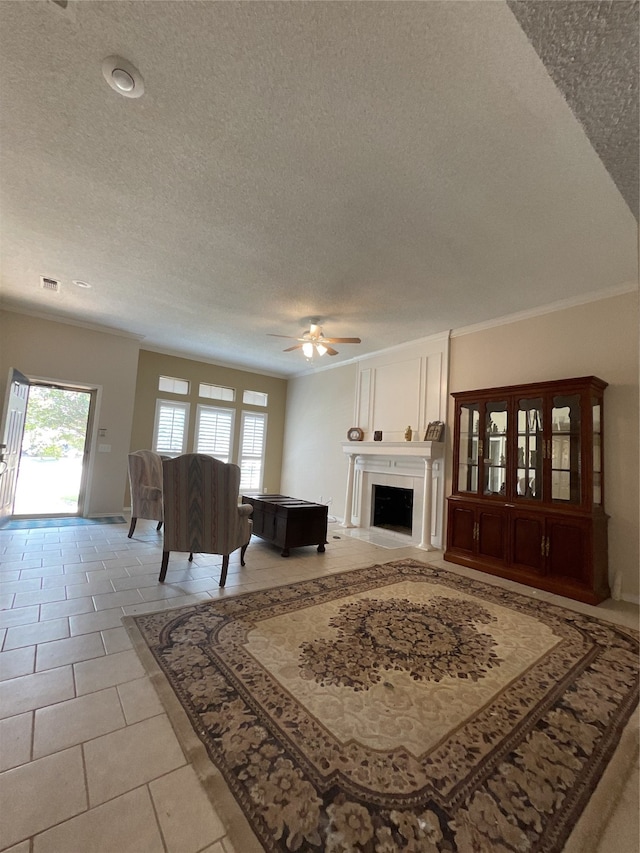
(201, 511)
(145, 484)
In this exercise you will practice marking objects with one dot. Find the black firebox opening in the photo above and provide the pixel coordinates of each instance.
(393, 508)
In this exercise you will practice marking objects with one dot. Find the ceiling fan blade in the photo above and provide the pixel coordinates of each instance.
(288, 337)
(290, 349)
(330, 350)
(341, 340)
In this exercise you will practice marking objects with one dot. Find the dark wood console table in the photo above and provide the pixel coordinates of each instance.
(288, 522)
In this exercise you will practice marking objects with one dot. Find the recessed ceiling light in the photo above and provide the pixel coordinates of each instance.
(83, 284)
(123, 77)
(123, 80)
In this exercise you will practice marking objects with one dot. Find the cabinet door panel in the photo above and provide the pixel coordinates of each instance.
(527, 537)
(568, 548)
(468, 443)
(491, 534)
(461, 526)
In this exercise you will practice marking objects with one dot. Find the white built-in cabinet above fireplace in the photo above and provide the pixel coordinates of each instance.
(396, 389)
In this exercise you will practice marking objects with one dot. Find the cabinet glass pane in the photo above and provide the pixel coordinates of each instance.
(597, 453)
(469, 431)
(565, 449)
(529, 447)
(495, 449)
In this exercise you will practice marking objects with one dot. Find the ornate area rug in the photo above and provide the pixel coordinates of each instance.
(399, 707)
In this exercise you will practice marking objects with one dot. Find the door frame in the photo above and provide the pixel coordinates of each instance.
(95, 392)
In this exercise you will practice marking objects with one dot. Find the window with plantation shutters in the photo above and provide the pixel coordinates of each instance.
(170, 429)
(214, 432)
(252, 444)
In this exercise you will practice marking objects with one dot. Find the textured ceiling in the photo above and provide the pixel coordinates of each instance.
(392, 169)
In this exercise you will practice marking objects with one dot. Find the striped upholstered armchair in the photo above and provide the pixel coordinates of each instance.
(145, 485)
(201, 511)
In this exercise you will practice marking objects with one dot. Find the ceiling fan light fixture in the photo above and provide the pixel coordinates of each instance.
(307, 349)
(321, 349)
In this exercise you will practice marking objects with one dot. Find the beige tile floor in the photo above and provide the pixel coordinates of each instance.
(88, 759)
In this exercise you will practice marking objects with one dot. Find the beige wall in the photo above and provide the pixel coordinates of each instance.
(152, 365)
(596, 339)
(46, 349)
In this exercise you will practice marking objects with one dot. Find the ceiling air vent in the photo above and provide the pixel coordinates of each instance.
(50, 284)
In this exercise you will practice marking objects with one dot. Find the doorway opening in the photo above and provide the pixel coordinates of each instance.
(52, 471)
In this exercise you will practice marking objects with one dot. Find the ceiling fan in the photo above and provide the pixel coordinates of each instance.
(313, 341)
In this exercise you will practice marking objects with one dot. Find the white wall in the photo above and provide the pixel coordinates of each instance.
(46, 349)
(319, 411)
(403, 386)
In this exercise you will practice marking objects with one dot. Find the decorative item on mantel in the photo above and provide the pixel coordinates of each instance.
(377, 435)
(408, 433)
(435, 431)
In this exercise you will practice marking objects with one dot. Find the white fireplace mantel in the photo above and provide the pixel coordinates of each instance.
(394, 457)
(421, 449)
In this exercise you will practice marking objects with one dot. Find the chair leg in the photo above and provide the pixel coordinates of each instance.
(191, 557)
(225, 566)
(159, 525)
(163, 567)
(132, 528)
(243, 551)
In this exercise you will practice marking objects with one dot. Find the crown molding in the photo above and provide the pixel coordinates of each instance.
(215, 362)
(70, 321)
(550, 308)
(438, 336)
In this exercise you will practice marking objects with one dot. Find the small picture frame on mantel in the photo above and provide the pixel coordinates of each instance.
(435, 431)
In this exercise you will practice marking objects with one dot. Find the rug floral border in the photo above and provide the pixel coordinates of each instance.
(520, 789)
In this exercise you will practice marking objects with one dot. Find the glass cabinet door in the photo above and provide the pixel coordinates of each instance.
(529, 450)
(596, 409)
(565, 449)
(494, 450)
(468, 453)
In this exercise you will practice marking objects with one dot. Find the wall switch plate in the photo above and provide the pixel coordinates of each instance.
(104, 448)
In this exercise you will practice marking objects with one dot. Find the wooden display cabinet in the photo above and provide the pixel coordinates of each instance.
(528, 493)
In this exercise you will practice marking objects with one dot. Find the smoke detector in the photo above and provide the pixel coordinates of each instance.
(123, 77)
(52, 285)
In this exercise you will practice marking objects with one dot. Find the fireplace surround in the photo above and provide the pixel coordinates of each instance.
(416, 465)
